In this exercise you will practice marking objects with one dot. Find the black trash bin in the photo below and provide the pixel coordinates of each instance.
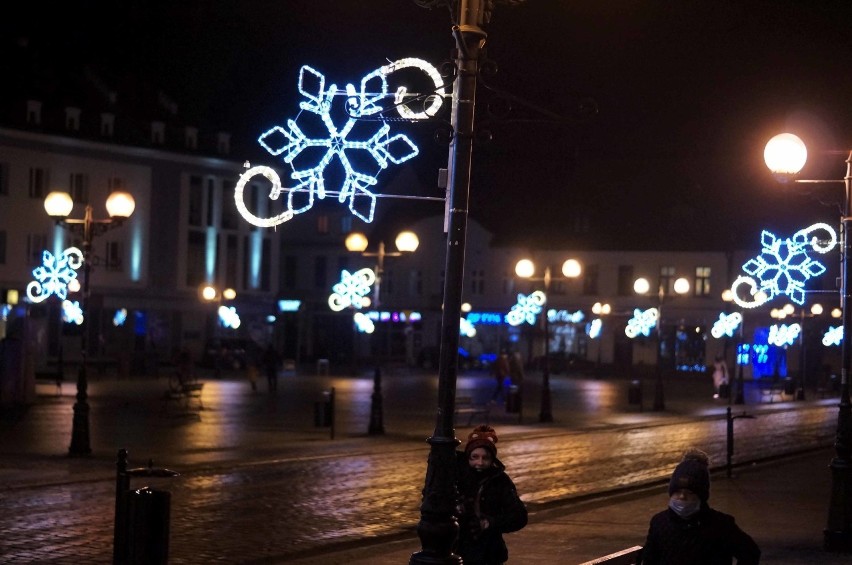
(513, 399)
(634, 393)
(148, 521)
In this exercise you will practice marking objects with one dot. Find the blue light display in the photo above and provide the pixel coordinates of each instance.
(485, 318)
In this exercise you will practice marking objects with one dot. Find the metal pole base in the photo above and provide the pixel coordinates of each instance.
(545, 415)
(377, 424)
(80, 423)
(838, 533)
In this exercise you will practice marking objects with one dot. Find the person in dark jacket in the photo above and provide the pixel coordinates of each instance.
(689, 532)
(488, 505)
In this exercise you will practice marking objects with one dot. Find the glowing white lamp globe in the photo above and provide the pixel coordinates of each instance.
(785, 154)
(681, 286)
(356, 241)
(229, 294)
(571, 268)
(58, 204)
(816, 309)
(407, 241)
(208, 293)
(120, 204)
(525, 268)
(641, 286)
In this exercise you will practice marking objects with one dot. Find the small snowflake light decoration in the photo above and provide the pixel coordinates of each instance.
(782, 334)
(833, 336)
(339, 143)
(352, 290)
(594, 328)
(228, 317)
(783, 266)
(364, 323)
(72, 313)
(526, 309)
(466, 328)
(119, 317)
(726, 325)
(55, 274)
(642, 322)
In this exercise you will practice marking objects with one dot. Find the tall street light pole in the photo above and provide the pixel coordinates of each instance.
(525, 268)
(406, 242)
(642, 286)
(58, 205)
(602, 310)
(785, 155)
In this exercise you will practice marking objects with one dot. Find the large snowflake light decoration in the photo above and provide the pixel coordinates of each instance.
(526, 309)
(311, 150)
(55, 274)
(352, 290)
(726, 325)
(783, 266)
(642, 322)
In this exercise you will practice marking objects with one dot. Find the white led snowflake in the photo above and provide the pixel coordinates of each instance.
(642, 322)
(782, 334)
(363, 322)
(526, 309)
(72, 313)
(55, 274)
(783, 266)
(228, 317)
(726, 325)
(352, 290)
(466, 328)
(310, 148)
(833, 336)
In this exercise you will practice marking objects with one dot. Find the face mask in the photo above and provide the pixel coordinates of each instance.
(683, 508)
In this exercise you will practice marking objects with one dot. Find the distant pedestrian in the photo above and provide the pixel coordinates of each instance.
(720, 378)
(270, 367)
(516, 368)
(689, 532)
(488, 504)
(501, 373)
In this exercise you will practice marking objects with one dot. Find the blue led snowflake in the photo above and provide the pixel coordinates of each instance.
(72, 313)
(526, 309)
(54, 274)
(833, 336)
(352, 290)
(726, 325)
(782, 334)
(337, 144)
(642, 322)
(784, 266)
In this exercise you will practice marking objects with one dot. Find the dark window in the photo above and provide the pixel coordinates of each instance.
(195, 258)
(114, 255)
(625, 280)
(78, 185)
(211, 197)
(38, 183)
(229, 209)
(36, 245)
(4, 178)
(265, 261)
(320, 272)
(590, 279)
(291, 265)
(322, 224)
(196, 201)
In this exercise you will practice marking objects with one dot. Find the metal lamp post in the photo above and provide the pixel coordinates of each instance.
(642, 286)
(602, 310)
(525, 268)
(790, 310)
(211, 294)
(737, 396)
(785, 155)
(58, 205)
(406, 242)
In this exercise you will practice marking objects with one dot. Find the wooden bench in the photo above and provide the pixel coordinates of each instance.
(465, 406)
(183, 394)
(627, 556)
(771, 392)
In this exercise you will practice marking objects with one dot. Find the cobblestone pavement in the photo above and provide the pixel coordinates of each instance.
(250, 493)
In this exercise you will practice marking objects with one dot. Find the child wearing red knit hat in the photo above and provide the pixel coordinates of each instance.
(488, 505)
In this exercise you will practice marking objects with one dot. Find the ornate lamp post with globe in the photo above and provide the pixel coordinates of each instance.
(525, 268)
(58, 205)
(786, 155)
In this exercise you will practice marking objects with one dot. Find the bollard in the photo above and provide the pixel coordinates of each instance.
(730, 442)
(141, 527)
(324, 411)
(634, 393)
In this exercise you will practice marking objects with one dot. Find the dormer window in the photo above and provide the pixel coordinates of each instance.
(158, 133)
(107, 124)
(223, 144)
(191, 137)
(33, 112)
(72, 118)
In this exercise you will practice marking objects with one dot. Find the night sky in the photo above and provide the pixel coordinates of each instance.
(687, 94)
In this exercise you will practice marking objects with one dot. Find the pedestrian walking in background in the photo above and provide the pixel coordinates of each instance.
(488, 504)
(271, 361)
(720, 378)
(689, 532)
(501, 373)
